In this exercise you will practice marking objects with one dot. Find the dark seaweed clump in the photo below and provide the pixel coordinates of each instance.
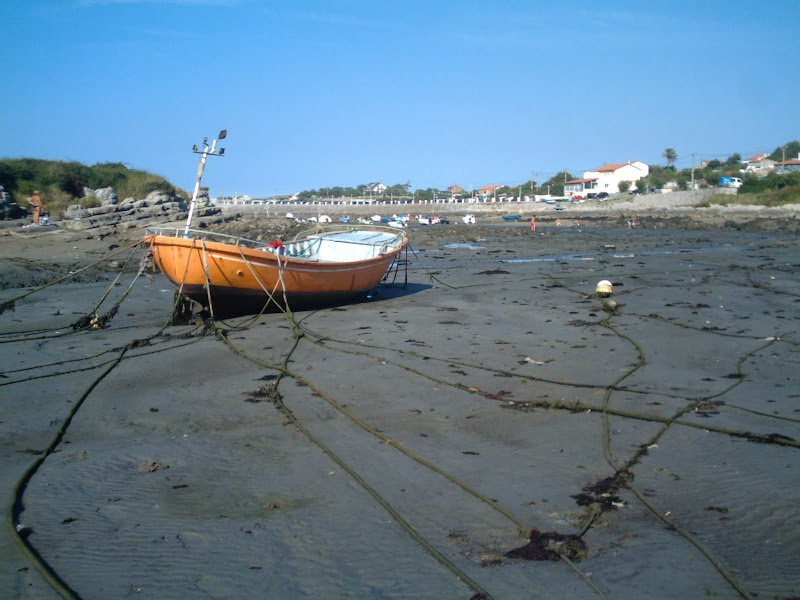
(604, 492)
(550, 545)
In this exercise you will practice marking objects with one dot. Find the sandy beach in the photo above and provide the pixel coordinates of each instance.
(406, 446)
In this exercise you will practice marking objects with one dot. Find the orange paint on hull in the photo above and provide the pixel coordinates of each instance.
(239, 274)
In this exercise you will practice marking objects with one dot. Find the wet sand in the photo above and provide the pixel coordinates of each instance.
(401, 446)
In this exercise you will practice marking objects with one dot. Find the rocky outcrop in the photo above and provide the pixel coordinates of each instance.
(107, 196)
(76, 212)
(8, 208)
(157, 208)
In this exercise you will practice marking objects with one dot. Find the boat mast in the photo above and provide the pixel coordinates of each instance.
(206, 151)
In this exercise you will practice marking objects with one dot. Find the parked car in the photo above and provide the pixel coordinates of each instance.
(731, 182)
(601, 195)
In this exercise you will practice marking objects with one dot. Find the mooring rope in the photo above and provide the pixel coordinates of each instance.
(60, 279)
(283, 370)
(608, 454)
(398, 518)
(17, 530)
(15, 510)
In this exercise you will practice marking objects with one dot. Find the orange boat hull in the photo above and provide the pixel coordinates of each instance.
(241, 278)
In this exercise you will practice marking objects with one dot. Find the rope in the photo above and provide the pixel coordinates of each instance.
(635, 458)
(10, 302)
(16, 508)
(405, 525)
(17, 530)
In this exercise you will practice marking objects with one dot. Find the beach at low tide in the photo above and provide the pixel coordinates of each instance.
(401, 447)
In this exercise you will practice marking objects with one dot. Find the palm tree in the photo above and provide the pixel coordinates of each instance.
(670, 156)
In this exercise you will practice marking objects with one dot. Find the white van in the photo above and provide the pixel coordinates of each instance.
(731, 182)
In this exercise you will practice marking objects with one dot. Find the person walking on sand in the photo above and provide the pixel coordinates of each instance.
(36, 201)
(533, 223)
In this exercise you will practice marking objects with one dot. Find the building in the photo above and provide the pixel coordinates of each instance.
(455, 189)
(607, 178)
(487, 190)
(376, 188)
(787, 166)
(756, 158)
(760, 167)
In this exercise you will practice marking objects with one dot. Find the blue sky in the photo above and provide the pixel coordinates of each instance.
(320, 93)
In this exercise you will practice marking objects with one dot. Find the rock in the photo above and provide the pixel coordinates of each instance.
(8, 208)
(157, 197)
(102, 210)
(107, 196)
(76, 211)
(202, 198)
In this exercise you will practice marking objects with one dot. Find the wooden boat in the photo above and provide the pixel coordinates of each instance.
(234, 275)
(241, 275)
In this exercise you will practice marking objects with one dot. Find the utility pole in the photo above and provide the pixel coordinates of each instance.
(783, 162)
(692, 171)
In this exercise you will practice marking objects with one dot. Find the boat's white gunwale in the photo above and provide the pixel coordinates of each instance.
(260, 258)
(290, 263)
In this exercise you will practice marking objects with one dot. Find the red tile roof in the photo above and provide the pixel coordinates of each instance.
(582, 180)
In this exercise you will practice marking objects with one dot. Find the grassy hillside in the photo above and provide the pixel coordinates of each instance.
(61, 183)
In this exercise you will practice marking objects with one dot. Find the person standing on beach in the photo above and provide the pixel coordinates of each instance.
(533, 223)
(36, 201)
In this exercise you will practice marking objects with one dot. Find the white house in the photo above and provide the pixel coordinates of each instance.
(377, 188)
(760, 167)
(607, 178)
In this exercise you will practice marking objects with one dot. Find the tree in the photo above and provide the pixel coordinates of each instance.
(556, 182)
(733, 160)
(670, 156)
(624, 186)
(787, 151)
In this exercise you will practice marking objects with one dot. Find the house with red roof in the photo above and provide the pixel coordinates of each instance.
(455, 189)
(487, 190)
(759, 164)
(607, 178)
(755, 158)
(787, 166)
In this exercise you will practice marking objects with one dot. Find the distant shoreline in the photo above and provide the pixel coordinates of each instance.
(673, 210)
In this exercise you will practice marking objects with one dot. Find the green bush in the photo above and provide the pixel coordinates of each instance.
(789, 194)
